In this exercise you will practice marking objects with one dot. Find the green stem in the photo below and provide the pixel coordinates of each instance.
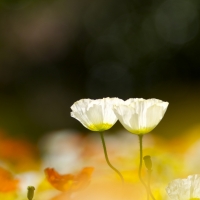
(147, 187)
(106, 156)
(149, 184)
(140, 167)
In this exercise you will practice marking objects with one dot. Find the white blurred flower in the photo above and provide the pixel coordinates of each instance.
(185, 189)
(96, 115)
(29, 178)
(140, 116)
(62, 150)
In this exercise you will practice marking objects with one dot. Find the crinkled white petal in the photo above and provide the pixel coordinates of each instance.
(124, 113)
(195, 185)
(154, 114)
(184, 189)
(96, 115)
(140, 116)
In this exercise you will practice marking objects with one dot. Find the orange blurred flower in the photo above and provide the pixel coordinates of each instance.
(18, 153)
(7, 182)
(69, 182)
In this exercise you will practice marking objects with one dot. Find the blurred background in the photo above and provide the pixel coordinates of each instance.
(55, 52)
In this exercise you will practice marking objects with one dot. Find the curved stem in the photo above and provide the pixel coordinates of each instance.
(106, 156)
(149, 184)
(140, 166)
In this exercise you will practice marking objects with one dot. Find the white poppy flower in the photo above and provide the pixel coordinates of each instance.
(185, 189)
(96, 115)
(140, 116)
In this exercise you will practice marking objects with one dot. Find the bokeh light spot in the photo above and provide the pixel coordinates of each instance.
(177, 21)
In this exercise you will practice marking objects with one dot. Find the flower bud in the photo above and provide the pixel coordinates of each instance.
(30, 193)
(147, 162)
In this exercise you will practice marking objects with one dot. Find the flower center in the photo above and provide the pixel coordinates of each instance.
(100, 127)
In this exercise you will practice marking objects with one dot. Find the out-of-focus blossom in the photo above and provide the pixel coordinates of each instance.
(66, 156)
(29, 178)
(110, 190)
(105, 190)
(19, 153)
(7, 182)
(185, 189)
(96, 115)
(69, 182)
(140, 116)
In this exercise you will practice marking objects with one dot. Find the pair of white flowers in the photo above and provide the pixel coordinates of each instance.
(137, 115)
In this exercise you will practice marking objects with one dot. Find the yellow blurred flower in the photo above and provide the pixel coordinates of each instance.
(96, 115)
(140, 116)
